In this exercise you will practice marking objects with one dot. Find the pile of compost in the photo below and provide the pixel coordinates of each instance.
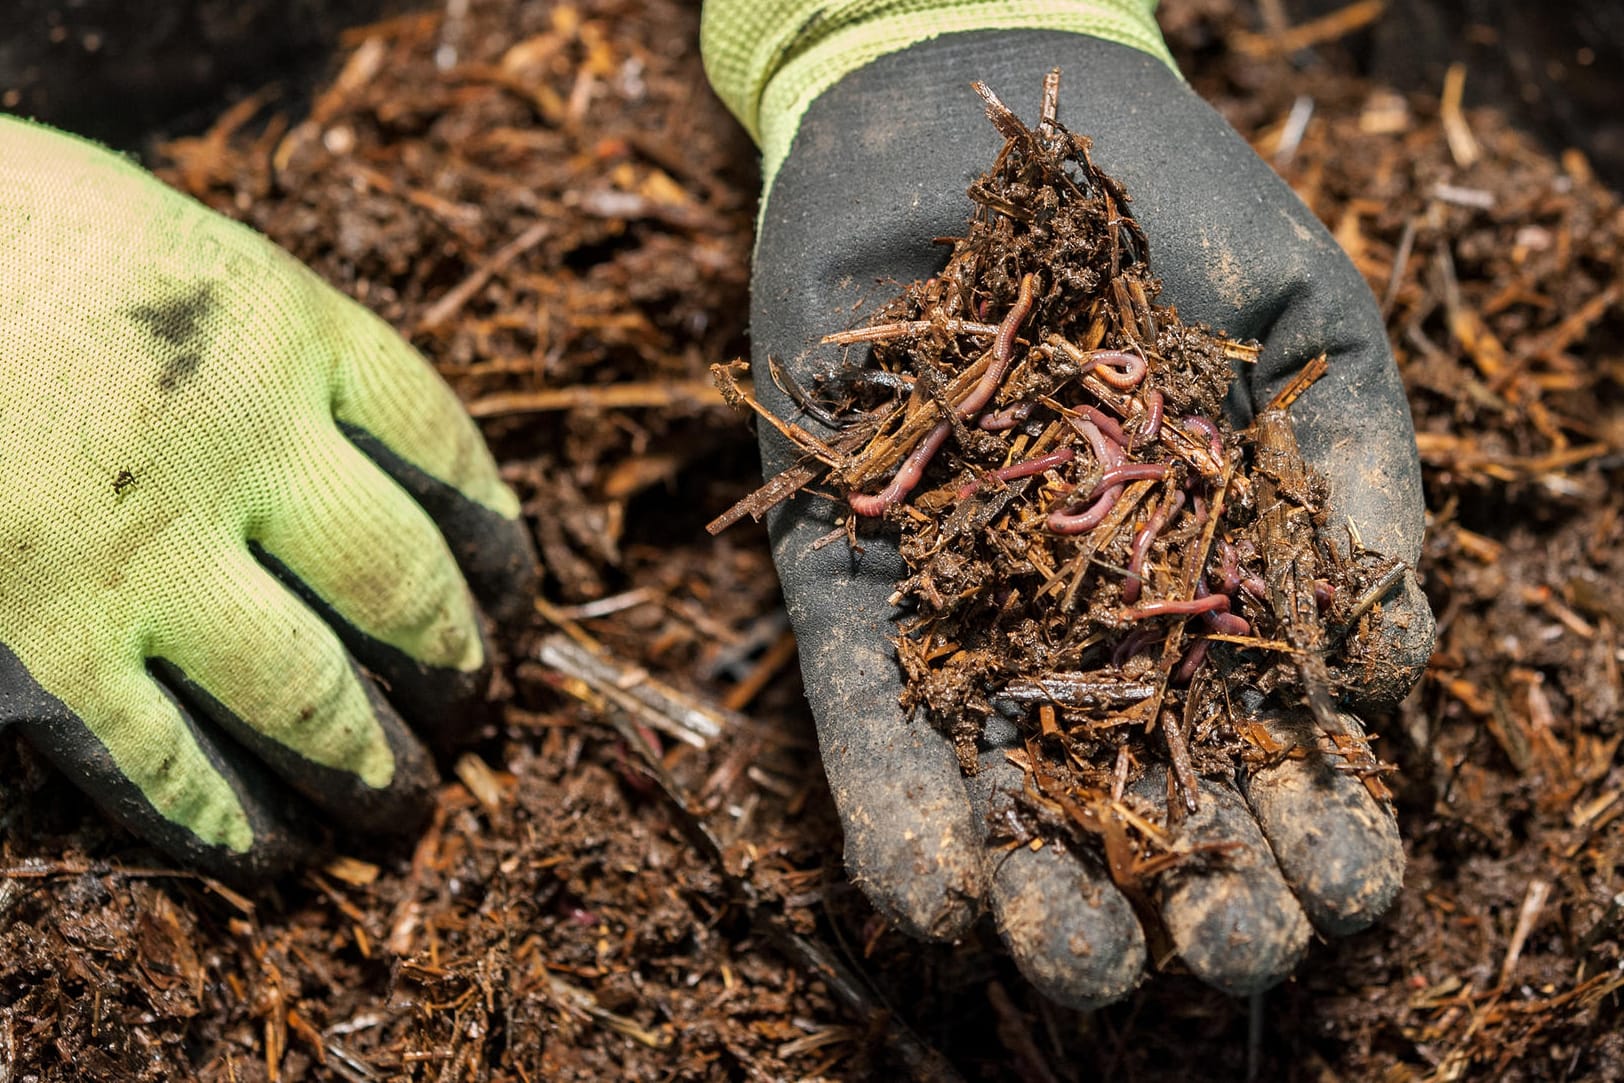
(633, 873)
(1081, 524)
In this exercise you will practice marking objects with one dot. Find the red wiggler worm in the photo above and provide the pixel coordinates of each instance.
(1123, 371)
(1152, 427)
(1179, 607)
(1005, 419)
(1105, 423)
(907, 476)
(1003, 350)
(1117, 475)
(1215, 440)
(1026, 468)
(1110, 454)
(1142, 543)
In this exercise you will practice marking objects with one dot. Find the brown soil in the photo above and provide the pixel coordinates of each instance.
(561, 218)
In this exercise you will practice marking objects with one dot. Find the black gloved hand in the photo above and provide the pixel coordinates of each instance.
(878, 168)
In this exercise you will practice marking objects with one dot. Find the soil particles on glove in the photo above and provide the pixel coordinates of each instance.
(545, 198)
(1078, 518)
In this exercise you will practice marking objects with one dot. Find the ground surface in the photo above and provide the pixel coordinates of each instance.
(559, 215)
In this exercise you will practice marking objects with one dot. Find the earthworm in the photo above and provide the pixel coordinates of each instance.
(1142, 543)
(1003, 344)
(1324, 594)
(1193, 657)
(1177, 608)
(1003, 350)
(1110, 454)
(1229, 568)
(1108, 451)
(1152, 427)
(1132, 643)
(1105, 423)
(913, 467)
(1255, 586)
(1121, 370)
(1215, 440)
(1227, 624)
(1222, 620)
(1027, 468)
(1060, 522)
(907, 476)
(1035, 465)
(1116, 475)
(1007, 418)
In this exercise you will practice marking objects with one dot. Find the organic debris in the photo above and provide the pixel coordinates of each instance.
(556, 870)
(1092, 548)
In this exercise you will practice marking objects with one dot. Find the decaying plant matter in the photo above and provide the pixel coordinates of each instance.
(1092, 548)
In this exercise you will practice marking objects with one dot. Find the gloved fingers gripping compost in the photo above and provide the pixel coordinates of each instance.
(1231, 915)
(1071, 932)
(302, 706)
(139, 754)
(1235, 249)
(393, 405)
(1338, 846)
(911, 840)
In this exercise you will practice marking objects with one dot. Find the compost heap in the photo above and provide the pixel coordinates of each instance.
(1093, 549)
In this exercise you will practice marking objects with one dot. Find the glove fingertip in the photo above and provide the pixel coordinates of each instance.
(927, 880)
(1074, 936)
(1378, 670)
(494, 551)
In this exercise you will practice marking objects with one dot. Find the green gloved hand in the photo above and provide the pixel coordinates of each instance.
(224, 490)
(871, 136)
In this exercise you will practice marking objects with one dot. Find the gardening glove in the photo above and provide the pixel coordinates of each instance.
(233, 506)
(870, 136)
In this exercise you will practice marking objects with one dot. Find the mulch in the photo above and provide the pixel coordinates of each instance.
(634, 872)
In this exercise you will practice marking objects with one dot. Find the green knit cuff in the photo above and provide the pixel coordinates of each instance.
(770, 59)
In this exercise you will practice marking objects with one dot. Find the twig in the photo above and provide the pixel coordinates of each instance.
(1532, 905)
(441, 312)
(1288, 533)
(735, 396)
(587, 1005)
(1301, 381)
(55, 869)
(1327, 28)
(1401, 262)
(1178, 752)
(700, 394)
(634, 691)
(885, 332)
(1462, 143)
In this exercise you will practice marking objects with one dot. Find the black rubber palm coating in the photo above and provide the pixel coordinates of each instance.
(878, 169)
